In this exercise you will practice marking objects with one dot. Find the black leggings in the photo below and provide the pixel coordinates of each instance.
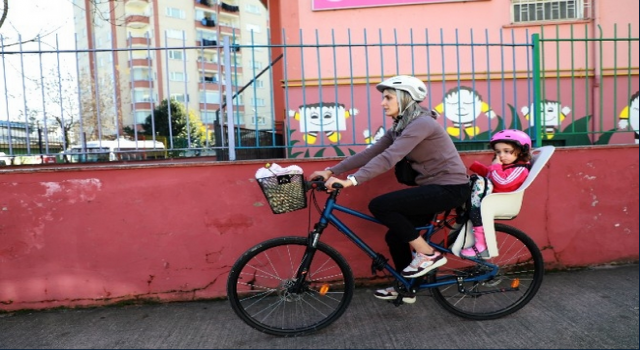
(402, 211)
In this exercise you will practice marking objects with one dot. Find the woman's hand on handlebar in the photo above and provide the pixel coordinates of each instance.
(329, 180)
(334, 180)
(324, 174)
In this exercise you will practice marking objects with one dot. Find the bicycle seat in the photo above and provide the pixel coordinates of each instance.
(506, 206)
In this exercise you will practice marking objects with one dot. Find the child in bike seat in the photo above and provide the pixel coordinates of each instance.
(440, 181)
(508, 170)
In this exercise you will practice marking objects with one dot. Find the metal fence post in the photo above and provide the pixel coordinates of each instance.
(535, 38)
(231, 130)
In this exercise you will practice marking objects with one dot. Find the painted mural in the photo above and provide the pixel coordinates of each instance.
(462, 107)
(552, 113)
(320, 121)
(629, 116)
(323, 117)
(325, 129)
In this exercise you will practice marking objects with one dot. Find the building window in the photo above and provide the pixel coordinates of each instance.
(141, 74)
(257, 102)
(207, 117)
(142, 96)
(180, 97)
(210, 97)
(259, 120)
(523, 11)
(174, 34)
(238, 100)
(253, 28)
(177, 76)
(259, 83)
(176, 54)
(254, 64)
(175, 13)
(141, 116)
(255, 9)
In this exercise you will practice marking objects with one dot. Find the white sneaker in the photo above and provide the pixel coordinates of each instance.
(422, 264)
(391, 294)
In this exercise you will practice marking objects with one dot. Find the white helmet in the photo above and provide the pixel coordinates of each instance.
(414, 86)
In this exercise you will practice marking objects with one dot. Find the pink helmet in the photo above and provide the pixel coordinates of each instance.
(520, 138)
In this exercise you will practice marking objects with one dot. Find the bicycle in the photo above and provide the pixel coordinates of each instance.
(292, 285)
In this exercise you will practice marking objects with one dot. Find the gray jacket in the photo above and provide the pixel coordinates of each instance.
(425, 143)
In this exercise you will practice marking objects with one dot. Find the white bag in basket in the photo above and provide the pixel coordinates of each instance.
(276, 170)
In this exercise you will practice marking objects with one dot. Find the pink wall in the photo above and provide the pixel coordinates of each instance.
(589, 80)
(388, 23)
(104, 234)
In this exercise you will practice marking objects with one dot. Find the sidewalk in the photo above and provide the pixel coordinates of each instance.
(588, 309)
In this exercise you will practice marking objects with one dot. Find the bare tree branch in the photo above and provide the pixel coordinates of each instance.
(5, 10)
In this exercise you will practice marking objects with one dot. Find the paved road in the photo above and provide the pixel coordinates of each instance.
(588, 309)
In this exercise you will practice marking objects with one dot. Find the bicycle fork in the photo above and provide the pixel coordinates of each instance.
(305, 264)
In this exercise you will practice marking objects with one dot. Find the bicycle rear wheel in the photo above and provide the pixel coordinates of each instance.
(258, 287)
(518, 279)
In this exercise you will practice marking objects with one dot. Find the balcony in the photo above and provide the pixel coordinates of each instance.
(206, 4)
(142, 106)
(205, 23)
(231, 9)
(138, 41)
(209, 106)
(207, 65)
(237, 69)
(140, 62)
(142, 83)
(136, 20)
(209, 85)
(207, 44)
(216, 106)
(230, 31)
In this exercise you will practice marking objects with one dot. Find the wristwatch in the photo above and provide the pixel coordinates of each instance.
(352, 179)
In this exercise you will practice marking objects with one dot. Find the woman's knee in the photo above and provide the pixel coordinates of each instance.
(393, 240)
(377, 206)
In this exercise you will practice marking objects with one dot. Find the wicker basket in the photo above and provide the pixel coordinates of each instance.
(285, 193)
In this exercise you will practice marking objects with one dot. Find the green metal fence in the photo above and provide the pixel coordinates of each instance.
(566, 85)
(589, 82)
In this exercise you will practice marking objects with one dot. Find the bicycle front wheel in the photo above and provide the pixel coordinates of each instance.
(259, 287)
(520, 272)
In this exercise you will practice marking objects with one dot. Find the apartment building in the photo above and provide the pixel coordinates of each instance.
(140, 52)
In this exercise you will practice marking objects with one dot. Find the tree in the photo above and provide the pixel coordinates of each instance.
(62, 92)
(91, 115)
(191, 134)
(101, 114)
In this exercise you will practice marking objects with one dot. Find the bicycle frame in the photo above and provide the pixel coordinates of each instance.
(328, 217)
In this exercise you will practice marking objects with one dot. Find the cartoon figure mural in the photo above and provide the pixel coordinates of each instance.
(629, 115)
(552, 114)
(462, 106)
(327, 117)
(371, 139)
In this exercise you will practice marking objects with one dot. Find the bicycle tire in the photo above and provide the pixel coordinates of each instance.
(520, 262)
(258, 281)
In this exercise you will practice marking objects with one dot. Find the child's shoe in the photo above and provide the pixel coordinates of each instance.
(479, 247)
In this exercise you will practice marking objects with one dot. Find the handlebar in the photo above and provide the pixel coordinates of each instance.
(318, 185)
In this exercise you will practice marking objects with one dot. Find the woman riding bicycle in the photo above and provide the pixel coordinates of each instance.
(442, 181)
